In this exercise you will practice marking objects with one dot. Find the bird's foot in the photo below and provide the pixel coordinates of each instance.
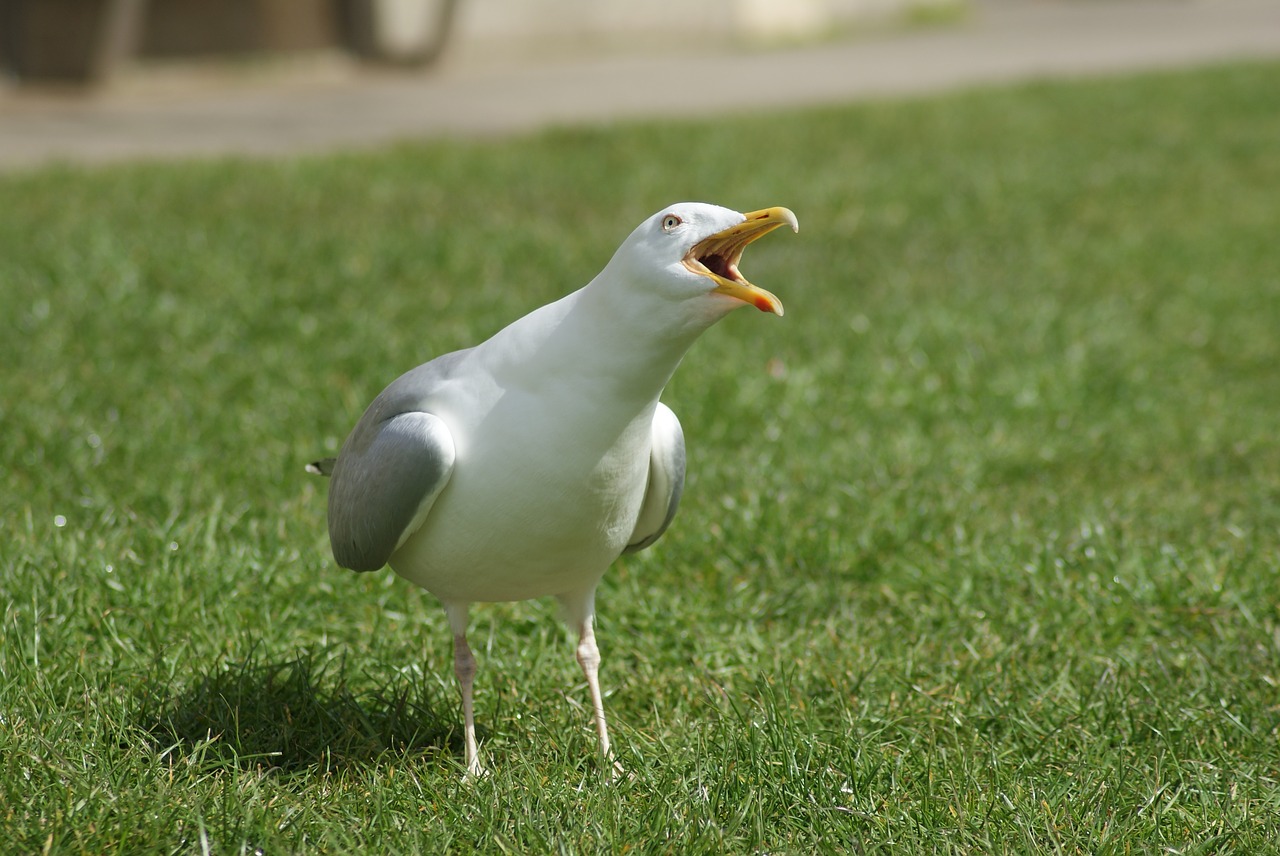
(611, 766)
(475, 771)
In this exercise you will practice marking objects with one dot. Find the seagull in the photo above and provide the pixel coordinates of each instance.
(524, 466)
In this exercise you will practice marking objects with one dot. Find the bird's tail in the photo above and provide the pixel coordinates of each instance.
(322, 467)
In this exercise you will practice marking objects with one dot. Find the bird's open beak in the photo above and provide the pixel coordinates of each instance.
(717, 257)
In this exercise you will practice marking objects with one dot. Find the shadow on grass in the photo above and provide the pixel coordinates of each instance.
(295, 715)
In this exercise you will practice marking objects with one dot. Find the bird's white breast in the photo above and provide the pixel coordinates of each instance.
(544, 494)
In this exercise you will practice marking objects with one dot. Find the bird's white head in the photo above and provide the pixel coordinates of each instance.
(691, 250)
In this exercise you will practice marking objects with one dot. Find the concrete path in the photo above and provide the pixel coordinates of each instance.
(1002, 40)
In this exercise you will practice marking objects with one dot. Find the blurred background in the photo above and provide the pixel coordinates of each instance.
(87, 41)
(90, 40)
(108, 80)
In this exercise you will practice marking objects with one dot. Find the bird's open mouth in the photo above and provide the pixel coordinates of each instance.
(717, 256)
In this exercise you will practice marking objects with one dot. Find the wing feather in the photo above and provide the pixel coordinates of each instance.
(391, 469)
(666, 480)
(380, 497)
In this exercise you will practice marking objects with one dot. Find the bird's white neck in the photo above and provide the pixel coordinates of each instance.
(611, 342)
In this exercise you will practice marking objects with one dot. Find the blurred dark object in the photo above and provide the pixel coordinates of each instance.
(73, 40)
(82, 41)
(177, 28)
(396, 32)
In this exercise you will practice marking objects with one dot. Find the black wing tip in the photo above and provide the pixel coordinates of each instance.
(361, 563)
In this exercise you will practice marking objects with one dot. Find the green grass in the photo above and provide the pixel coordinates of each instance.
(980, 550)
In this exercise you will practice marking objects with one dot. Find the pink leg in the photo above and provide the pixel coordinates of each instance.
(464, 666)
(589, 660)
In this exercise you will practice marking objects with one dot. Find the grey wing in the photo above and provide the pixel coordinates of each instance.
(666, 480)
(381, 493)
(390, 471)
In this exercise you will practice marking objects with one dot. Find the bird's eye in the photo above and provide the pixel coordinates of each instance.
(670, 222)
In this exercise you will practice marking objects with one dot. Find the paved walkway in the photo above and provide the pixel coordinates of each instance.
(349, 107)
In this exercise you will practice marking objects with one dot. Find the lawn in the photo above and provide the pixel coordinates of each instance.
(979, 552)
